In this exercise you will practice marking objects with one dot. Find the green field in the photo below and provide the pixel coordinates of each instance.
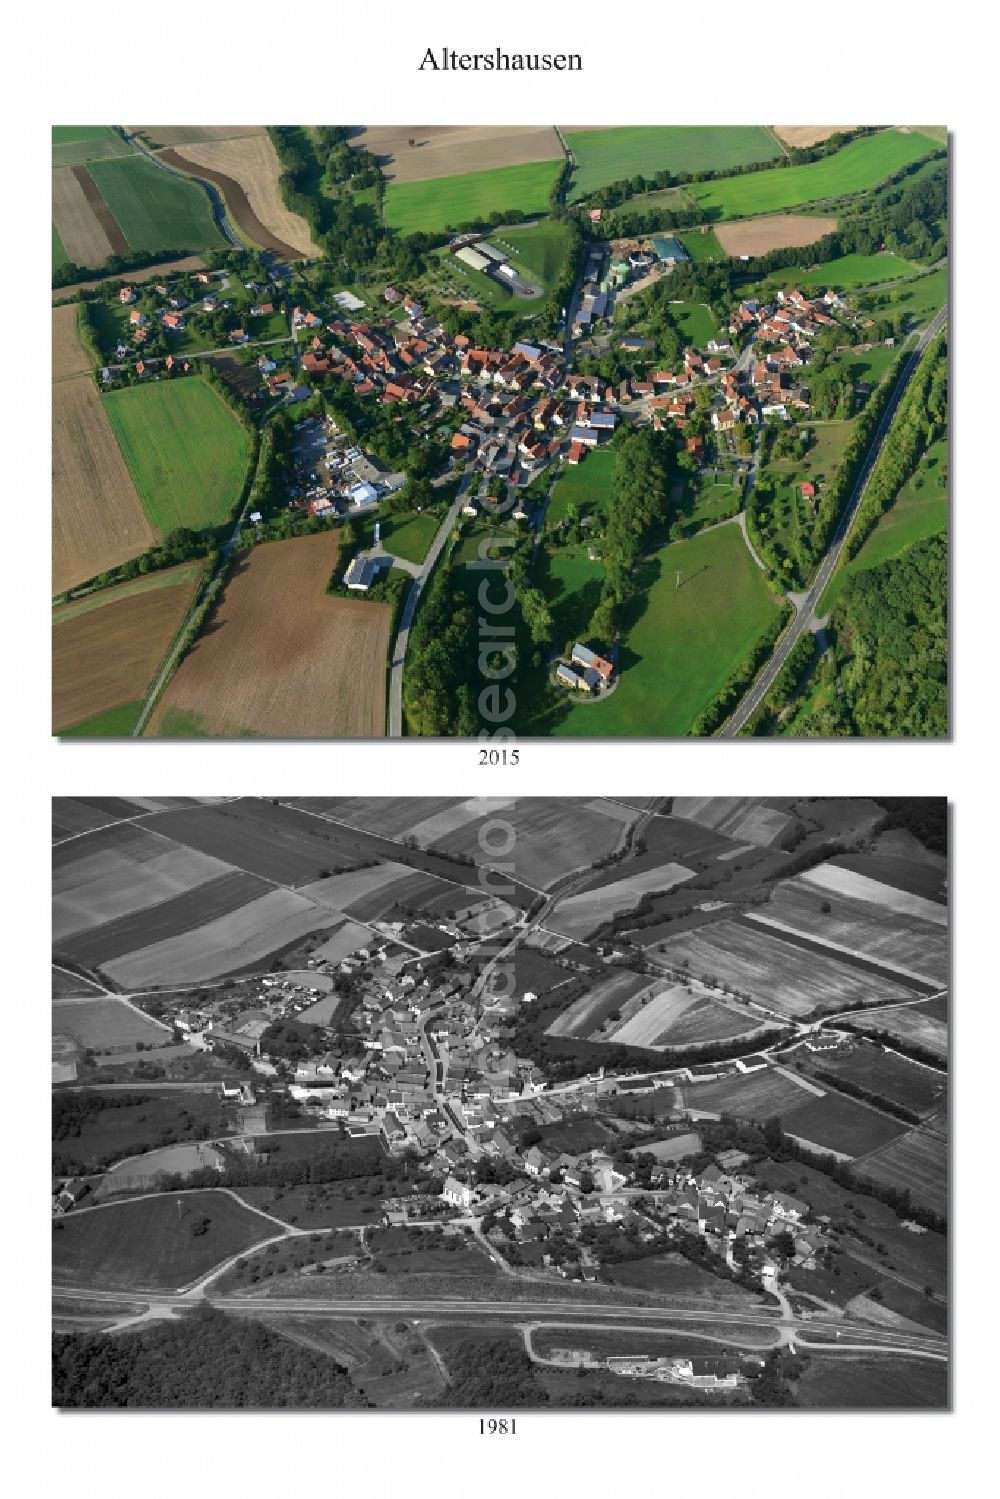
(604, 156)
(701, 244)
(410, 536)
(572, 586)
(586, 487)
(155, 1242)
(706, 499)
(156, 211)
(445, 202)
(540, 249)
(75, 144)
(857, 270)
(117, 723)
(185, 450)
(59, 256)
(862, 164)
(919, 300)
(920, 510)
(680, 644)
(695, 321)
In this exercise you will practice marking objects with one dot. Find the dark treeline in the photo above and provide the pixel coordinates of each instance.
(644, 463)
(905, 1047)
(204, 1361)
(891, 627)
(786, 683)
(441, 664)
(865, 1095)
(926, 817)
(115, 265)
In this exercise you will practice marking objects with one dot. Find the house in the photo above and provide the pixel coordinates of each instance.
(126, 295)
(591, 661)
(808, 490)
(457, 1193)
(174, 321)
(136, 318)
(724, 421)
(239, 336)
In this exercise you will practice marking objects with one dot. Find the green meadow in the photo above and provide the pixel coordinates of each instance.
(862, 164)
(185, 450)
(604, 156)
(445, 202)
(156, 211)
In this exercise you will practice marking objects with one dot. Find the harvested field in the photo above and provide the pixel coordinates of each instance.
(915, 1087)
(757, 1096)
(674, 1149)
(848, 882)
(69, 357)
(426, 893)
(148, 273)
(153, 1243)
(579, 915)
(102, 213)
(83, 235)
(97, 516)
(281, 657)
(242, 939)
(648, 1021)
(385, 816)
(71, 986)
(246, 169)
(786, 979)
(917, 1162)
(801, 136)
(182, 135)
(741, 818)
(338, 892)
(548, 844)
(104, 1024)
(588, 1013)
(704, 1020)
(276, 842)
(911, 1025)
(209, 901)
(841, 1124)
(107, 654)
(913, 946)
(344, 940)
(117, 870)
(783, 231)
(449, 150)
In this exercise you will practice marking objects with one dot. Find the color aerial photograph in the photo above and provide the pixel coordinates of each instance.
(551, 1103)
(377, 431)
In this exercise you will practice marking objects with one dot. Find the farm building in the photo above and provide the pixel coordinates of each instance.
(491, 251)
(362, 493)
(473, 258)
(567, 676)
(362, 573)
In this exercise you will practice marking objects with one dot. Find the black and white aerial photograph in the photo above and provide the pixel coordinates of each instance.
(500, 1106)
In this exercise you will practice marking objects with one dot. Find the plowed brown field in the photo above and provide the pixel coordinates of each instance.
(281, 657)
(780, 231)
(97, 518)
(449, 150)
(82, 234)
(246, 171)
(69, 357)
(105, 653)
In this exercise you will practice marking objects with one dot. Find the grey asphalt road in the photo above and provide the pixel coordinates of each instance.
(807, 604)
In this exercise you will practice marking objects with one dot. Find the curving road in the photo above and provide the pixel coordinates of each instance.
(806, 604)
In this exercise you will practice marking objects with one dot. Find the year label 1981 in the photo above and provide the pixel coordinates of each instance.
(497, 1426)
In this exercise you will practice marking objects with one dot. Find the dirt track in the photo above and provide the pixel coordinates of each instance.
(449, 150)
(281, 657)
(782, 231)
(237, 201)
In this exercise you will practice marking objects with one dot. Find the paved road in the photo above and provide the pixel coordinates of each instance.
(410, 608)
(806, 604)
(568, 1314)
